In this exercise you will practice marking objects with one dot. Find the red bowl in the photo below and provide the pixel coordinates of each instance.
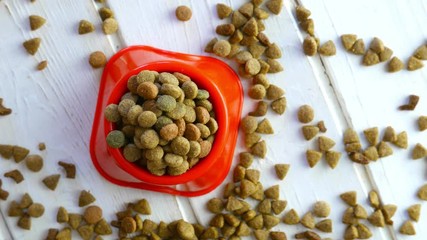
(208, 73)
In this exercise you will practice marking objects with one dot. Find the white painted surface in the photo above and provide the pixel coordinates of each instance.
(56, 105)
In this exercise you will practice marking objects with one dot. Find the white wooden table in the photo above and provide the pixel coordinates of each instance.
(56, 106)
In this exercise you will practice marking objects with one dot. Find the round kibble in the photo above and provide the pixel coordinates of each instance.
(171, 90)
(132, 153)
(116, 139)
(169, 132)
(111, 113)
(35, 210)
(195, 149)
(147, 119)
(97, 59)
(190, 89)
(180, 146)
(34, 162)
(147, 90)
(154, 154)
(183, 13)
(305, 114)
(202, 94)
(149, 139)
(128, 225)
(178, 112)
(110, 26)
(166, 103)
(252, 66)
(192, 132)
(124, 106)
(321, 209)
(202, 115)
(257, 91)
(204, 130)
(205, 148)
(92, 214)
(222, 48)
(133, 114)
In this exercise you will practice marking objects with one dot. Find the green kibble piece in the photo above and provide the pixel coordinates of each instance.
(273, 51)
(86, 27)
(250, 28)
(257, 91)
(249, 124)
(133, 114)
(302, 13)
(132, 153)
(169, 78)
(147, 119)
(111, 113)
(146, 76)
(166, 103)
(180, 146)
(242, 57)
(275, 66)
(256, 50)
(260, 109)
(124, 106)
(154, 154)
(195, 149)
(212, 124)
(370, 58)
(147, 90)
(259, 149)
(204, 130)
(178, 112)
(205, 103)
(414, 64)
(222, 48)
(105, 13)
(116, 139)
(171, 90)
(173, 160)
(110, 26)
(149, 139)
(190, 114)
(32, 45)
(202, 94)
(190, 89)
(261, 79)
(274, 92)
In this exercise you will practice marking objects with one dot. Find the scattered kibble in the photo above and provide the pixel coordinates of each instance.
(51, 181)
(332, 158)
(281, 170)
(42, 65)
(3, 112)
(419, 151)
(422, 192)
(313, 157)
(105, 13)
(70, 169)
(291, 217)
(275, 6)
(412, 103)
(110, 26)
(310, 46)
(321, 209)
(414, 64)
(36, 22)
(309, 132)
(32, 45)
(85, 198)
(358, 47)
(183, 13)
(307, 220)
(348, 41)
(97, 59)
(328, 48)
(325, 225)
(422, 123)
(223, 10)
(377, 218)
(395, 65)
(35, 210)
(92, 214)
(407, 228)
(305, 114)
(325, 143)
(221, 48)
(85, 27)
(350, 198)
(414, 212)
(34, 162)
(16, 175)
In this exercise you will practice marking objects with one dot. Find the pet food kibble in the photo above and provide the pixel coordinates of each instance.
(407, 228)
(275, 6)
(15, 175)
(260, 109)
(97, 59)
(414, 64)
(222, 48)
(308, 26)
(26, 201)
(350, 198)
(106, 13)
(321, 209)
(275, 66)
(348, 41)
(51, 181)
(51, 234)
(313, 157)
(350, 136)
(377, 45)
(3, 194)
(128, 225)
(34, 162)
(412, 103)
(324, 226)
(3, 112)
(370, 58)
(35, 210)
(166, 103)
(419, 151)
(85, 231)
(386, 54)
(147, 90)
(242, 57)
(142, 207)
(215, 205)
(305, 114)
(259, 149)
(309, 132)
(325, 143)
(374, 200)
(328, 48)
(223, 10)
(422, 123)
(401, 140)
(62, 215)
(74, 220)
(332, 158)
(116, 139)
(274, 92)
(263, 80)
(147, 119)
(371, 153)
(358, 157)
(377, 218)
(395, 65)
(20, 153)
(308, 220)
(389, 135)
(210, 44)
(85, 198)
(111, 113)
(149, 139)
(110, 26)
(185, 230)
(291, 217)
(414, 212)
(257, 91)
(273, 51)
(32, 45)
(257, 50)
(309, 46)
(281, 170)
(264, 127)
(388, 211)
(225, 29)
(360, 212)
(252, 66)
(348, 216)
(36, 22)
(358, 47)
(371, 135)
(103, 228)
(247, 9)
(351, 232)
(70, 169)
(24, 222)
(422, 192)
(183, 13)
(180, 146)
(384, 150)
(302, 13)
(169, 132)
(86, 27)
(279, 105)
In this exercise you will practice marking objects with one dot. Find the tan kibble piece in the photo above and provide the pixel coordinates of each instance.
(36, 22)
(275, 66)
(324, 225)
(26, 201)
(332, 158)
(259, 149)
(384, 149)
(291, 217)
(412, 103)
(85, 231)
(210, 44)
(377, 218)
(348, 216)
(35, 210)
(419, 151)
(103, 228)
(325, 143)
(358, 157)
(64, 234)
(252, 66)
(309, 132)
(388, 212)
(374, 200)
(351, 232)
(74, 220)
(370, 58)
(237, 19)
(233, 204)
(252, 175)
(128, 225)
(14, 210)
(353, 147)
(92, 214)
(281, 170)
(247, 9)
(371, 153)
(305, 114)
(277, 206)
(260, 109)
(86, 27)
(6, 151)
(363, 231)
(97, 59)
(321, 209)
(223, 10)
(273, 51)
(217, 221)
(414, 212)
(407, 228)
(386, 54)
(70, 169)
(51, 234)
(302, 13)
(422, 192)
(185, 230)
(377, 45)
(360, 212)
(275, 6)
(350, 136)
(226, 29)
(256, 222)
(251, 139)
(62, 215)
(422, 123)
(308, 220)
(32, 45)
(421, 52)
(313, 157)
(371, 135)
(395, 65)
(24, 222)
(272, 192)
(309, 46)
(389, 135)
(110, 26)
(414, 64)
(359, 47)
(249, 124)
(264, 207)
(257, 50)
(264, 127)
(250, 28)
(279, 105)
(85, 198)
(105, 13)
(34, 162)
(183, 13)
(142, 206)
(348, 41)
(239, 173)
(349, 197)
(221, 48)
(401, 140)
(261, 234)
(274, 92)
(16, 175)
(4, 194)
(20, 153)
(328, 48)
(247, 188)
(278, 235)
(51, 181)
(42, 65)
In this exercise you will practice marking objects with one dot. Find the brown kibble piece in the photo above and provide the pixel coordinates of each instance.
(85, 198)
(275, 66)
(14, 210)
(389, 135)
(110, 26)
(305, 114)
(414, 64)
(209, 46)
(325, 143)
(384, 149)
(64, 234)
(309, 46)
(273, 51)
(277, 206)
(105, 13)
(351, 232)
(261, 234)
(256, 222)
(34, 162)
(275, 6)
(414, 212)
(15, 175)
(422, 123)
(395, 65)
(377, 218)
(274, 92)
(324, 225)
(407, 228)
(185, 230)
(360, 212)
(226, 29)
(142, 207)
(4, 194)
(278, 236)
(215, 205)
(51, 181)
(26, 201)
(309, 132)
(249, 124)
(247, 188)
(247, 9)
(252, 66)
(359, 47)
(259, 149)
(422, 192)
(386, 54)
(412, 103)
(51, 234)
(221, 48)
(374, 200)
(24, 222)
(281, 170)
(363, 231)
(35, 210)
(332, 158)
(370, 58)
(419, 151)
(86, 27)
(36, 22)
(388, 212)
(421, 52)
(371, 135)
(92, 214)
(103, 228)
(272, 192)
(264, 127)
(42, 65)
(308, 220)
(85, 231)
(348, 41)
(358, 157)
(260, 109)
(245, 159)
(250, 28)
(62, 215)
(350, 136)
(279, 105)
(313, 157)
(302, 13)
(291, 217)
(377, 45)
(70, 169)
(401, 140)
(6, 151)
(350, 198)
(97, 59)
(183, 13)
(74, 220)
(308, 26)
(128, 225)
(321, 209)
(20, 153)
(223, 10)
(328, 48)
(32, 45)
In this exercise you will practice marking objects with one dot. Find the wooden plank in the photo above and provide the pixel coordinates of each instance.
(371, 96)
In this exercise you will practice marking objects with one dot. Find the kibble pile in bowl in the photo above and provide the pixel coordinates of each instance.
(165, 123)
